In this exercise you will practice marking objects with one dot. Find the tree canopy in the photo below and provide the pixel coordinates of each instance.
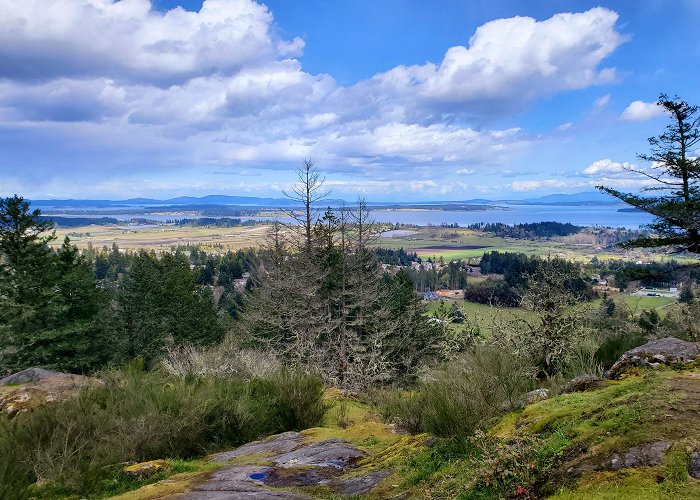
(675, 173)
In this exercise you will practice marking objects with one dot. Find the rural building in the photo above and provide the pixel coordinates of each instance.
(601, 290)
(451, 294)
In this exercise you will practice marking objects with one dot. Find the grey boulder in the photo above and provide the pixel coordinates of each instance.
(667, 351)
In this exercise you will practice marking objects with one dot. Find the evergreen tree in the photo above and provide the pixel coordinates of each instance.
(676, 172)
(50, 301)
(160, 305)
(687, 296)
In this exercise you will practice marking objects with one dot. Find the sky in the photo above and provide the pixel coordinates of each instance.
(394, 100)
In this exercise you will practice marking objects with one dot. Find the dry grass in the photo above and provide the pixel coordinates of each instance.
(164, 237)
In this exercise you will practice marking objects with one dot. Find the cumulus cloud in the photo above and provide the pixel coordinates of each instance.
(640, 111)
(607, 167)
(130, 40)
(513, 61)
(220, 87)
(540, 184)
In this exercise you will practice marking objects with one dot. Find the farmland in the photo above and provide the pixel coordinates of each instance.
(163, 237)
(427, 241)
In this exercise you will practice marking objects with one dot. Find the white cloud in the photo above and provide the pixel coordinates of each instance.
(640, 111)
(541, 184)
(601, 102)
(219, 87)
(514, 60)
(465, 171)
(130, 40)
(319, 120)
(608, 167)
(565, 126)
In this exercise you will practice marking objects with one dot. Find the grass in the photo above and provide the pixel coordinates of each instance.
(454, 238)
(573, 435)
(163, 237)
(535, 448)
(74, 448)
(235, 238)
(482, 315)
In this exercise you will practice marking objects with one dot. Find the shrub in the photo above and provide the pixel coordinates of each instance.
(226, 359)
(581, 359)
(342, 414)
(480, 384)
(299, 399)
(616, 345)
(135, 416)
(517, 468)
(403, 408)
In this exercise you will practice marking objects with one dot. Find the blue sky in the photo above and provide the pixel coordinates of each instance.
(393, 99)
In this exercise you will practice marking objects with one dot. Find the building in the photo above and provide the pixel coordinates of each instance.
(451, 294)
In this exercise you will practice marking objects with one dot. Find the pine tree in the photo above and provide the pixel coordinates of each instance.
(50, 301)
(160, 305)
(676, 172)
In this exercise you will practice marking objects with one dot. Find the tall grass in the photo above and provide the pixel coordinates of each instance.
(136, 416)
(456, 398)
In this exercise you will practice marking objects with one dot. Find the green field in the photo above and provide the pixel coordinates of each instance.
(484, 315)
(461, 243)
(638, 304)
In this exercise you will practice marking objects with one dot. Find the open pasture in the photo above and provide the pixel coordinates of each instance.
(461, 243)
(161, 238)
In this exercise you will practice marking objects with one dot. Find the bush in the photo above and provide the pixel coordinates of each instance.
(226, 359)
(403, 408)
(581, 359)
(616, 345)
(481, 384)
(136, 416)
(517, 468)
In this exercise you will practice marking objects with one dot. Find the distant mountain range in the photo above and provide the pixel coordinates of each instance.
(584, 198)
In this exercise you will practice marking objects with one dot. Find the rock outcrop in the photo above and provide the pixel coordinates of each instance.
(291, 462)
(536, 396)
(667, 351)
(694, 464)
(583, 383)
(36, 386)
(30, 375)
(146, 469)
(649, 454)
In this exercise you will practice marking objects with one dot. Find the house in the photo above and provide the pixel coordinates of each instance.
(451, 294)
(429, 296)
(240, 283)
(601, 290)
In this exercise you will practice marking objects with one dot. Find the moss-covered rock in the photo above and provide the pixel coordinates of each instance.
(668, 351)
(146, 469)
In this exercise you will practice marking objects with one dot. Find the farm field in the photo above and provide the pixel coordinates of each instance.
(461, 243)
(161, 238)
(484, 315)
(427, 242)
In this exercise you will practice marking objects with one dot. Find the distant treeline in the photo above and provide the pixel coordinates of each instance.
(206, 210)
(79, 221)
(545, 229)
(660, 274)
(211, 221)
(518, 272)
(396, 257)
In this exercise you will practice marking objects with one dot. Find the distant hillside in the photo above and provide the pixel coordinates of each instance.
(584, 198)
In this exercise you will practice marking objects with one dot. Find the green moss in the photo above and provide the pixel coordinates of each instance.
(630, 484)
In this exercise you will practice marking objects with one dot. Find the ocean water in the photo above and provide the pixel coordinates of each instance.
(594, 215)
(599, 215)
